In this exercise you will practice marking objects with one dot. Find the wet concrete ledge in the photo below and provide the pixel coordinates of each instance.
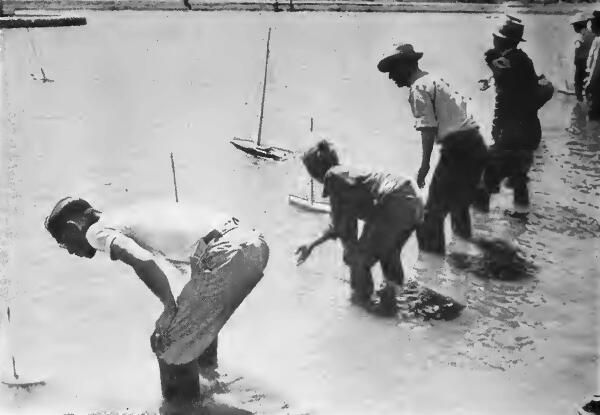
(386, 6)
(26, 21)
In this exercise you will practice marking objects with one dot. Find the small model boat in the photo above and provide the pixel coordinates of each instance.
(311, 204)
(255, 148)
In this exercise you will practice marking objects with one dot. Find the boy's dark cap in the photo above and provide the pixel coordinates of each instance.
(511, 29)
(63, 208)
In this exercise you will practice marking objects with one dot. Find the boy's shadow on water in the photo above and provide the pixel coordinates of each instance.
(498, 260)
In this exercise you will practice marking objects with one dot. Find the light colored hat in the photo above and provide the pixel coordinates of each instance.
(580, 18)
(511, 29)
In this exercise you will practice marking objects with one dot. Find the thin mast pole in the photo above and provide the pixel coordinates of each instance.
(262, 102)
(312, 182)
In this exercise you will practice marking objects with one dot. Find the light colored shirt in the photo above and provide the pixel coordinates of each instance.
(592, 63)
(168, 230)
(435, 104)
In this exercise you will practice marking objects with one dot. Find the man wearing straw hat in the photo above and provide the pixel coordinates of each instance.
(582, 48)
(159, 242)
(441, 116)
(516, 129)
(592, 82)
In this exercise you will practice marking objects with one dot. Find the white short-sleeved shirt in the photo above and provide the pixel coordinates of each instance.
(168, 230)
(435, 104)
(592, 61)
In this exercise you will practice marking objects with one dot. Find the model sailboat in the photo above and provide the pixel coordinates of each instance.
(255, 148)
(310, 204)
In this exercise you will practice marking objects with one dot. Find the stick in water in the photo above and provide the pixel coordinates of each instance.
(312, 182)
(174, 178)
(262, 102)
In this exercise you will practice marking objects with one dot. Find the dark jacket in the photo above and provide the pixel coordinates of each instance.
(516, 124)
(582, 48)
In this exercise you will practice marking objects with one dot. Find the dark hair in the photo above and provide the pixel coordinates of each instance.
(60, 215)
(579, 25)
(320, 158)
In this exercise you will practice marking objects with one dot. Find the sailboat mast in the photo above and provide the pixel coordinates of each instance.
(312, 182)
(262, 102)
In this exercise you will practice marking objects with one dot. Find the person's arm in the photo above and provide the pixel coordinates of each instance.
(422, 104)
(126, 250)
(427, 140)
(304, 251)
(342, 225)
(324, 237)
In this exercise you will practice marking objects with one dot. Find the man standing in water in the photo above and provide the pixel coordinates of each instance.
(582, 48)
(441, 116)
(391, 210)
(516, 129)
(592, 83)
(157, 241)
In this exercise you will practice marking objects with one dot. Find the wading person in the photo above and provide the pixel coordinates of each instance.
(516, 129)
(441, 116)
(579, 22)
(160, 243)
(592, 82)
(390, 209)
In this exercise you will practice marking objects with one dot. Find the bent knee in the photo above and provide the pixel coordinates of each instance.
(265, 253)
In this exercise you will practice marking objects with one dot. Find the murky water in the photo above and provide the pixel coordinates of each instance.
(130, 88)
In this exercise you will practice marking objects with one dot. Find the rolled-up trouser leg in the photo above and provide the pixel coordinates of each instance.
(521, 163)
(594, 111)
(494, 171)
(580, 74)
(461, 221)
(209, 358)
(430, 235)
(391, 262)
(391, 266)
(361, 279)
(180, 384)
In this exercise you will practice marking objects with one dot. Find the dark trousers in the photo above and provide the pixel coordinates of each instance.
(452, 189)
(360, 264)
(383, 236)
(511, 164)
(511, 156)
(594, 98)
(180, 384)
(580, 75)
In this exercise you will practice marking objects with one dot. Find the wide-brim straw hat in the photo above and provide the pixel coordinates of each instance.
(402, 53)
